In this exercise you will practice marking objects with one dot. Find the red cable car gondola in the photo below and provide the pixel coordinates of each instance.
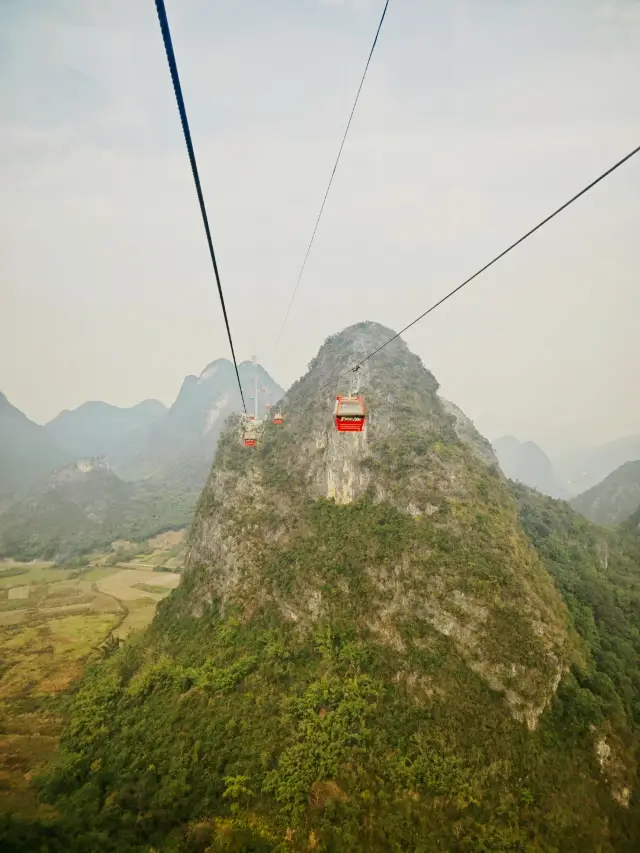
(249, 435)
(349, 414)
(278, 419)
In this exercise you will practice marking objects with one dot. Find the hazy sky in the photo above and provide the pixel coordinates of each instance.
(476, 120)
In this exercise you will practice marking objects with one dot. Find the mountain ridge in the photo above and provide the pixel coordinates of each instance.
(527, 463)
(614, 499)
(379, 643)
(582, 469)
(27, 452)
(96, 428)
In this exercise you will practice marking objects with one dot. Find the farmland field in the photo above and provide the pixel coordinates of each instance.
(52, 619)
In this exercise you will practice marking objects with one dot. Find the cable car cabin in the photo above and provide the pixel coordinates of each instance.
(349, 414)
(249, 435)
(278, 419)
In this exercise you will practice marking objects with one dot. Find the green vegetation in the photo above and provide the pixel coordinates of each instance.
(222, 735)
(52, 619)
(41, 657)
(598, 573)
(14, 575)
(76, 514)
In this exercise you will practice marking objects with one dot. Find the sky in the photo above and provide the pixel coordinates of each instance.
(476, 120)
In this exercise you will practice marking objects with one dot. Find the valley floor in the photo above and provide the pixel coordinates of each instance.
(52, 619)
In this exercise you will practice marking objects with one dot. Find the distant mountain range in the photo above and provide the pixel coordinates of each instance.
(525, 462)
(100, 429)
(581, 469)
(614, 499)
(568, 475)
(27, 451)
(153, 462)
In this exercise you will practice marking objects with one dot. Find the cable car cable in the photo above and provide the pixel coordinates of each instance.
(168, 46)
(344, 138)
(484, 268)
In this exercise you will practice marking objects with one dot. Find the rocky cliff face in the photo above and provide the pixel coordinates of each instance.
(469, 435)
(459, 567)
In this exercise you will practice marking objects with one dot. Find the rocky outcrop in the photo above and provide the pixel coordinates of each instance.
(469, 435)
(613, 768)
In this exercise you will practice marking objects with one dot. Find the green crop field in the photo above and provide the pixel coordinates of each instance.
(52, 620)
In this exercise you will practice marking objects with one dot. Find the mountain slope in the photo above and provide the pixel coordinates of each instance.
(364, 653)
(100, 429)
(614, 499)
(82, 507)
(27, 452)
(598, 572)
(469, 435)
(632, 524)
(525, 462)
(68, 510)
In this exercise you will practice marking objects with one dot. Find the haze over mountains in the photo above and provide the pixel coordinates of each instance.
(147, 439)
(614, 499)
(147, 464)
(526, 463)
(569, 475)
(27, 451)
(583, 468)
(100, 429)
